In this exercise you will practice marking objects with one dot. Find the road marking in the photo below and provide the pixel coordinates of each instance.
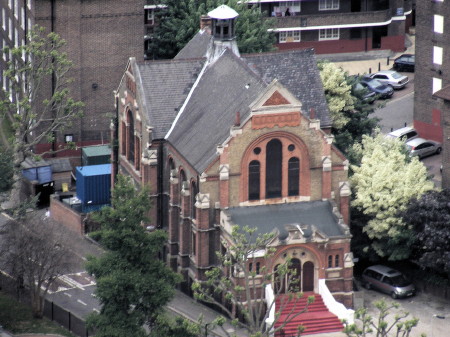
(68, 294)
(80, 301)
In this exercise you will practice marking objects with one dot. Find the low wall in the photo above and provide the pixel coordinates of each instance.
(65, 215)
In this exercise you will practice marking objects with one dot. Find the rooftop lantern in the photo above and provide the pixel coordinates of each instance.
(223, 22)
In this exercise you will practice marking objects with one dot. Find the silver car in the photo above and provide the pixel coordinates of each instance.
(392, 78)
(421, 147)
(388, 280)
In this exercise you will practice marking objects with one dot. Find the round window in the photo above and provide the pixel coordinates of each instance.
(257, 150)
(291, 147)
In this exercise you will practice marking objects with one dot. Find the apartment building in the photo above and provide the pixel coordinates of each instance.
(432, 90)
(339, 26)
(16, 19)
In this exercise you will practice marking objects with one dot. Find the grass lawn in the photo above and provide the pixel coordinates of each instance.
(17, 318)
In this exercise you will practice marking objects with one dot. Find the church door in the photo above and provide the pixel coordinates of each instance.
(308, 276)
(295, 283)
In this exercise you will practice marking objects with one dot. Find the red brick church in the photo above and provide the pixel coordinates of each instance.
(227, 139)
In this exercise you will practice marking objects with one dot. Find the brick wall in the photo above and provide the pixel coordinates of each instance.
(66, 216)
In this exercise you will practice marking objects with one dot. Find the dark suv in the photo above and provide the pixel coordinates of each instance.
(387, 280)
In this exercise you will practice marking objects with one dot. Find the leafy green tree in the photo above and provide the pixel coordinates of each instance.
(383, 186)
(34, 118)
(338, 93)
(180, 21)
(237, 285)
(429, 216)
(384, 325)
(168, 326)
(133, 285)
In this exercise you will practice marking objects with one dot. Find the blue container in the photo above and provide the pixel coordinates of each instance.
(94, 184)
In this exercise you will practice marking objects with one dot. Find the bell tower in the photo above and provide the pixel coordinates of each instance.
(223, 21)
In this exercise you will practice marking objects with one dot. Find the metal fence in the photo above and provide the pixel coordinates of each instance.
(52, 311)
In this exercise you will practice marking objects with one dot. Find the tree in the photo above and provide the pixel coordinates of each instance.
(383, 186)
(33, 117)
(35, 252)
(429, 216)
(337, 93)
(133, 285)
(180, 21)
(384, 325)
(167, 326)
(237, 285)
(6, 169)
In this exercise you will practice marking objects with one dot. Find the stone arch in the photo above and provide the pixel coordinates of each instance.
(292, 146)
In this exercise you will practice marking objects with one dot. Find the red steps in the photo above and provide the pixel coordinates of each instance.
(317, 318)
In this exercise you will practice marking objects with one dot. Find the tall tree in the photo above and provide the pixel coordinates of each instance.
(133, 285)
(33, 117)
(180, 21)
(383, 185)
(35, 252)
(429, 216)
(238, 284)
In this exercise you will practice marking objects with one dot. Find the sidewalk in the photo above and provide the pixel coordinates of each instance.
(369, 62)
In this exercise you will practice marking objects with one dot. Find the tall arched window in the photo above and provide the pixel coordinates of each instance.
(194, 191)
(293, 176)
(130, 152)
(253, 180)
(273, 168)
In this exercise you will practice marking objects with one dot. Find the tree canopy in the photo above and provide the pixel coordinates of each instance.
(35, 118)
(429, 216)
(180, 21)
(383, 185)
(133, 284)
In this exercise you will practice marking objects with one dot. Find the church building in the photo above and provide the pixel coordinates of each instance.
(224, 139)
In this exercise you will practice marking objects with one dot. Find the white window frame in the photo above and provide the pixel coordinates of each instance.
(294, 6)
(294, 34)
(3, 19)
(329, 34)
(438, 53)
(437, 84)
(438, 24)
(328, 5)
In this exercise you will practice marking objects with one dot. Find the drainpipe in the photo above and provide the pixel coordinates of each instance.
(160, 199)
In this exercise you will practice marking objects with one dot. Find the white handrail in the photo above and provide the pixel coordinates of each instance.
(333, 306)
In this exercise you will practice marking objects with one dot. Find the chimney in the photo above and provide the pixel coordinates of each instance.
(312, 113)
(205, 23)
(237, 121)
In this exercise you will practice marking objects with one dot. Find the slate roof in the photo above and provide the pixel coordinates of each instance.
(196, 47)
(297, 71)
(164, 87)
(268, 217)
(211, 110)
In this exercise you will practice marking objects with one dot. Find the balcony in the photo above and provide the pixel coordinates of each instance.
(341, 19)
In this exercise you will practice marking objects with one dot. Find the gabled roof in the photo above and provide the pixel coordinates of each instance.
(226, 87)
(165, 86)
(266, 218)
(297, 71)
(197, 47)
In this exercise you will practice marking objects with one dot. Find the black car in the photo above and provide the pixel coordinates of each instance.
(380, 89)
(405, 62)
(361, 91)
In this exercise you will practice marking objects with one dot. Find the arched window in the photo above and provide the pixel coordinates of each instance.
(130, 152)
(273, 168)
(330, 261)
(194, 192)
(258, 267)
(336, 261)
(293, 176)
(253, 180)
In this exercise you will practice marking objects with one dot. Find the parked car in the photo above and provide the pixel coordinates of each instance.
(387, 280)
(421, 147)
(405, 62)
(363, 92)
(392, 78)
(380, 89)
(405, 134)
